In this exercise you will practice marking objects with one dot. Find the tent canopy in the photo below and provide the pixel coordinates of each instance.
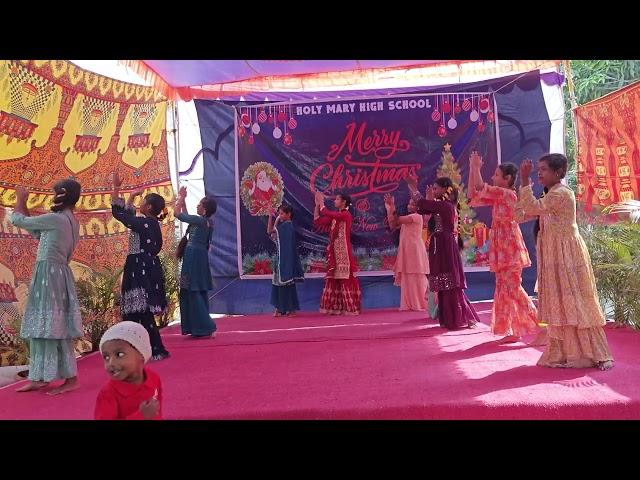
(210, 79)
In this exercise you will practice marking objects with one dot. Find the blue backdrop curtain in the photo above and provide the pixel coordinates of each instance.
(524, 130)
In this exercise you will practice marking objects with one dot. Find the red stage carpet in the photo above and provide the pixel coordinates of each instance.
(380, 365)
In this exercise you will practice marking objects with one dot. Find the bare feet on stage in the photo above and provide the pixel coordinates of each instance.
(541, 340)
(510, 339)
(69, 385)
(277, 314)
(606, 365)
(32, 387)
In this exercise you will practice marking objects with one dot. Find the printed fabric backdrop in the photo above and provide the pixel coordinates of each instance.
(608, 167)
(58, 121)
(365, 148)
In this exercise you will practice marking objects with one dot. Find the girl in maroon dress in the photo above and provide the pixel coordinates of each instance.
(446, 275)
(341, 294)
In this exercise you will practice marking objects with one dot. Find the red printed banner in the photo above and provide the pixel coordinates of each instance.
(608, 160)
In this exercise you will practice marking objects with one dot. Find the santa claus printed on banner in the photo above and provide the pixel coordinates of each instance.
(261, 189)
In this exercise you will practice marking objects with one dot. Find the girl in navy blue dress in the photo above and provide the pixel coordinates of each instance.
(143, 294)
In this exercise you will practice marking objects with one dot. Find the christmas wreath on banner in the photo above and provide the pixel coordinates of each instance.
(261, 189)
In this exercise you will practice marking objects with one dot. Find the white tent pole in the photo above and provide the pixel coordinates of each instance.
(176, 148)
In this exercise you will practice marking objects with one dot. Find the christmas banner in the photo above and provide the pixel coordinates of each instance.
(59, 121)
(608, 161)
(364, 148)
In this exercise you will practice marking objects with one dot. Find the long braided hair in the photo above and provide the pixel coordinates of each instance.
(451, 195)
(536, 225)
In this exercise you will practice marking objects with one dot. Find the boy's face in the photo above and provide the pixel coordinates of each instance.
(122, 361)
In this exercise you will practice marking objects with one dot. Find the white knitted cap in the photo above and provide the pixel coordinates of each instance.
(130, 332)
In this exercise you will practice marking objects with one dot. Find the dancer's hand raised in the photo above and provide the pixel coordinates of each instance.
(117, 181)
(525, 169)
(21, 195)
(428, 194)
(389, 202)
(412, 182)
(475, 160)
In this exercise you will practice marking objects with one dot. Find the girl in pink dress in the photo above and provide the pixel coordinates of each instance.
(412, 264)
(514, 314)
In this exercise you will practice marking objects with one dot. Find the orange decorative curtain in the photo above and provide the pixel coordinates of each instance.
(608, 159)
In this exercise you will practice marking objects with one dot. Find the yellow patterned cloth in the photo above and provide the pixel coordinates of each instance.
(567, 295)
(57, 121)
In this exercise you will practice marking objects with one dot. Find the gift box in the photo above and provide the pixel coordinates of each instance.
(388, 262)
(480, 234)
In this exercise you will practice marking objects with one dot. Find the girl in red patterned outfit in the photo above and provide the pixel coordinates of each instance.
(341, 294)
(514, 314)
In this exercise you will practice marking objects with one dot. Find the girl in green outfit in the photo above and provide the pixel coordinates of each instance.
(52, 319)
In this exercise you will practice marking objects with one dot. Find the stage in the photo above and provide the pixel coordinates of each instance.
(382, 364)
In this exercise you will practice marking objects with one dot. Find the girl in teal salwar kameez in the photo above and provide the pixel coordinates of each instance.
(195, 275)
(52, 318)
(287, 268)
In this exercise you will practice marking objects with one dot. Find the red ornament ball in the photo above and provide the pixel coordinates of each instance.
(245, 120)
(251, 139)
(484, 105)
(458, 108)
(490, 116)
(442, 131)
(282, 117)
(293, 123)
(466, 105)
(288, 139)
(435, 116)
(446, 107)
(241, 131)
(262, 116)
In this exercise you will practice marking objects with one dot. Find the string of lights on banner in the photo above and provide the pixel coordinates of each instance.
(446, 110)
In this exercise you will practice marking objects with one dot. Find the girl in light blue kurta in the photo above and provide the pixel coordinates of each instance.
(52, 319)
(195, 276)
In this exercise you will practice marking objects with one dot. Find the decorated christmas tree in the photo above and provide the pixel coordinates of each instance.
(474, 234)
(449, 168)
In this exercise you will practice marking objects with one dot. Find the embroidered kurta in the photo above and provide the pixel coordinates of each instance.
(341, 263)
(567, 294)
(507, 249)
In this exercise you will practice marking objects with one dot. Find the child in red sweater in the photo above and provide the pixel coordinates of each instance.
(134, 392)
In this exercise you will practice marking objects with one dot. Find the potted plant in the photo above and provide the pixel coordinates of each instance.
(171, 272)
(99, 296)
